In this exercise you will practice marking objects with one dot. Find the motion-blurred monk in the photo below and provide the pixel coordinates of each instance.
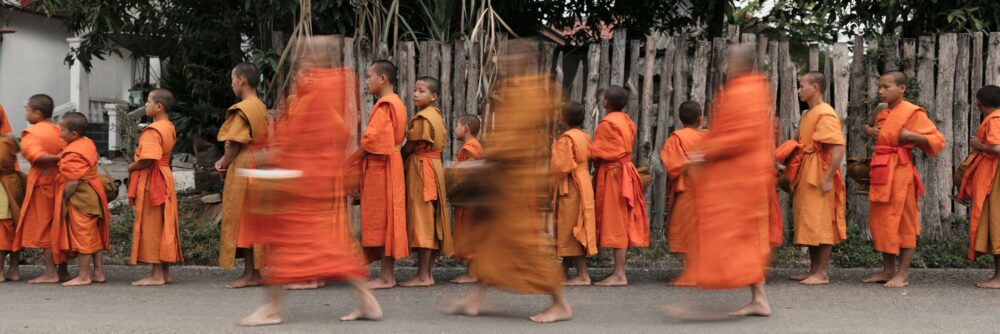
(894, 216)
(466, 130)
(573, 192)
(980, 181)
(682, 220)
(13, 195)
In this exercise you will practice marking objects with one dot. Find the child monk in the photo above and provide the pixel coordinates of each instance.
(682, 222)
(81, 218)
(466, 130)
(620, 205)
(11, 197)
(383, 189)
(151, 192)
(980, 181)
(894, 216)
(40, 145)
(573, 193)
(427, 216)
(244, 132)
(818, 193)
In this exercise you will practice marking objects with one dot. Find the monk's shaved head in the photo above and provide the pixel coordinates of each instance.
(42, 103)
(689, 112)
(742, 58)
(898, 77)
(617, 98)
(816, 78)
(471, 122)
(249, 72)
(386, 68)
(75, 122)
(164, 97)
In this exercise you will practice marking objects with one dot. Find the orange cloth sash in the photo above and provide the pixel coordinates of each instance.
(430, 191)
(880, 165)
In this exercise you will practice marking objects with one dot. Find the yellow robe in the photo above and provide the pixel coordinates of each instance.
(427, 214)
(818, 216)
(246, 123)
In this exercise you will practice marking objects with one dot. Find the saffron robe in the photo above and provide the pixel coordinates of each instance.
(573, 195)
(464, 239)
(682, 222)
(246, 123)
(977, 185)
(620, 205)
(12, 194)
(427, 214)
(34, 225)
(383, 187)
(153, 194)
(82, 224)
(894, 217)
(818, 216)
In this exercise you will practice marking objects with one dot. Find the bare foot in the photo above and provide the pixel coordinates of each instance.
(45, 279)
(993, 283)
(754, 309)
(380, 283)
(368, 312)
(464, 279)
(882, 277)
(466, 306)
(577, 281)
(263, 316)
(13, 275)
(243, 282)
(149, 281)
(99, 278)
(417, 282)
(64, 274)
(556, 312)
(613, 280)
(167, 277)
(816, 279)
(899, 281)
(78, 281)
(799, 277)
(305, 286)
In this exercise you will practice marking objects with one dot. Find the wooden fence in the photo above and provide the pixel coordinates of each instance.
(663, 71)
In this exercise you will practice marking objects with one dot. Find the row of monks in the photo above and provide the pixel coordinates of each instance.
(293, 231)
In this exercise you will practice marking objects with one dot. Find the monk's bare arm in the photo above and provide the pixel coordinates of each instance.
(837, 153)
(357, 156)
(908, 136)
(46, 159)
(140, 165)
(871, 131)
(978, 145)
(70, 189)
(231, 151)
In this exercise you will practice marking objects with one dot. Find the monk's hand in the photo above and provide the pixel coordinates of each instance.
(219, 166)
(827, 184)
(908, 136)
(871, 131)
(976, 144)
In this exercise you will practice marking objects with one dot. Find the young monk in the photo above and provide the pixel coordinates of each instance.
(244, 132)
(682, 222)
(40, 145)
(383, 191)
(151, 192)
(894, 216)
(466, 130)
(10, 202)
(427, 217)
(980, 181)
(620, 205)
(818, 194)
(81, 218)
(573, 194)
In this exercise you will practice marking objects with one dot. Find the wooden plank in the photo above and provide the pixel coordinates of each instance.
(891, 46)
(733, 33)
(762, 53)
(353, 113)
(635, 69)
(939, 181)
(434, 66)
(789, 100)
(774, 65)
(647, 113)
(605, 69)
(681, 74)
(576, 91)
(841, 79)
(559, 73)
(993, 60)
(383, 52)
(929, 210)
(813, 58)
(961, 110)
(871, 60)
(424, 59)
(910, 57)
(857, 143)
(590, 97)
(699, 72)
(458, 79)
(364, 54)
(976, 78)
(472, 83)
(620, 38)
(718, 70)
(828, 72)
(663, 123)
(444, 100)
(409, 79)
(548, 54)
(750, 40)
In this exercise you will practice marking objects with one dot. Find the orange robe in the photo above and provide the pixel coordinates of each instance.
(978, 183)
(894, 217)
(307, 232)
(246, 123)
(12, 194)
(620, 205)
(464, 240)
(427, 216)
(35, 222)
(383, 189)
(818, 216)
(573, 193)
(151, 192)
(732, 186)
(81, 225)
(682, 222)
(515, 252)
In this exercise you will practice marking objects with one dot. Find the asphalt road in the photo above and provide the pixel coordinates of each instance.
(937, 301)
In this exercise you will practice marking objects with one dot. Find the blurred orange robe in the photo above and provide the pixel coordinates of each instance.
(34, 225)
(82, 225)
(246, 123)
(464, 240)
(732, 188)
(515, 252)
(307, 232)
(620, 205)
(383, 188)
(573, 193)
(427, 214)
(155, 231)
(818, 216)
(894, 216)
(682, 220)
(978, 183)
(12, 194)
